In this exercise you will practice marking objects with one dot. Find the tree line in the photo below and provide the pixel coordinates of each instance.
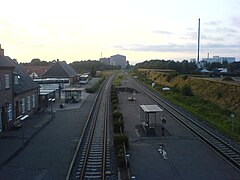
(183, 67)
(79, 66)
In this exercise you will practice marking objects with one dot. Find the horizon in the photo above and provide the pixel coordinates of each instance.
(74, 31)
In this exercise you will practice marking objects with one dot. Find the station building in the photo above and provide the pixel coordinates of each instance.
(18, 92)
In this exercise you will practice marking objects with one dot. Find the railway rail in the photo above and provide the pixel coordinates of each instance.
(92, 157)
(227, 151)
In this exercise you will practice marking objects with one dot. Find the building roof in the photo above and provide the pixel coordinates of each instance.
(4, 62)
(38, 70)
(151, 108)
(25, 81)
(117, 55)
(60, 69)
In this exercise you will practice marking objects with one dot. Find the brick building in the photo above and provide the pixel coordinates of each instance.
(18, 92)
(61, 69)
(6, 91)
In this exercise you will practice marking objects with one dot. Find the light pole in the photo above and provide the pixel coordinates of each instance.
(163, 118)
(232, 116)
(51, 100)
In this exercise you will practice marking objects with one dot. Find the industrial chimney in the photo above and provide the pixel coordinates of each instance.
(198, 40)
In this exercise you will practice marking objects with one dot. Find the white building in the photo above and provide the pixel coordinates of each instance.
(219, 59)
(118, 60)
(105, 60)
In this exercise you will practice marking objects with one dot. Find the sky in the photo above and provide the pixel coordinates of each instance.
(141, 30)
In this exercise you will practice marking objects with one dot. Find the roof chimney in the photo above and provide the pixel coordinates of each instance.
(1, 51)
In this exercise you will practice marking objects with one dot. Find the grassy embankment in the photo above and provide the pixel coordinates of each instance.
(212, 102)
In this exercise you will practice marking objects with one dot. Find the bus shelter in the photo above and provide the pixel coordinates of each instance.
(148, 117)
(72, 95)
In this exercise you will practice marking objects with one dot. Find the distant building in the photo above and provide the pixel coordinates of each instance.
(35, 71)
(118, 60)
(61, 70)
(105, 60)
(219, 59)
(193, 60)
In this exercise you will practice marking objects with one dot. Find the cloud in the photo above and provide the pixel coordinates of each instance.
(213, 23)
(190, 47)
(222, 46)
(235, 20)
(159, 48)
(211, 38)
(190, 36)
(163, 32)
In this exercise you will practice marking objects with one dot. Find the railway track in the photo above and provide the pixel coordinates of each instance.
(227, 151)
(92, 157)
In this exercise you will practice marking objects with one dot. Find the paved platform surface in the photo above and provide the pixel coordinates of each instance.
(187, 156)
(43, 147)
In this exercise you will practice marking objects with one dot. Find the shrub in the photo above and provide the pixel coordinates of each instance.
(117, 115)
(186, 90)
(171, 75)
(121, 157)
(227, 78)
(95, 87)
(119, 139)
(117, 124)
(185, 77)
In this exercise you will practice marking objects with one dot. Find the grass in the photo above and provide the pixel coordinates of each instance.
(118, 79)
(95, 86)
(215, 116)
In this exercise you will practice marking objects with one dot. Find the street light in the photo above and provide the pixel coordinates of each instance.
(51, 100)
(163, 118)
(232, 116)
(22, 120)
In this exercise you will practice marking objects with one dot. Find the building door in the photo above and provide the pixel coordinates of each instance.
(0, 119)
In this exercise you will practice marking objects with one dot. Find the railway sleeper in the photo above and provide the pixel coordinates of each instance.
(92, 177)
(94, 166)
(90, 173)
(94, 163)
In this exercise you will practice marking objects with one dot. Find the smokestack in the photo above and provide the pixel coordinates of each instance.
(198, 40)
(208, 55)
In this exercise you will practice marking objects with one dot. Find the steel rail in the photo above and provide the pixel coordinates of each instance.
(87, 137)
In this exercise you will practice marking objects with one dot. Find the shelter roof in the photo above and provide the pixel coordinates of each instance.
(151, 108)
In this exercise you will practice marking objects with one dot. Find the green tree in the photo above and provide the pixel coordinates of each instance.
(93, 71)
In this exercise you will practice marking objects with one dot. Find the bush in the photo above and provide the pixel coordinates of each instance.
(95, 87)
(119, 139)
(121, 158)
(227, 78)
(184, 77)
(117, 124)
(186, 91)
(117, 115)
(171, 75)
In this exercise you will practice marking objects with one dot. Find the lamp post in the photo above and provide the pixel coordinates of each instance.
(163, 118)
(232, 116)
(51, 100)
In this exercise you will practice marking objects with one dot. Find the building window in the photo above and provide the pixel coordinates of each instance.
(28, 103)
(9, 112)
(33, 101)
(16, 79)
(23, 105)
(7, 81)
